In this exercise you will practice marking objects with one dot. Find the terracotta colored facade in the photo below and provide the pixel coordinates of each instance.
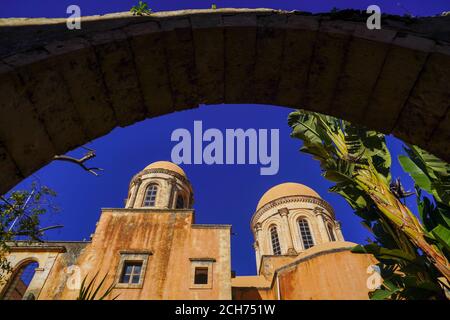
(325, 272)
(152, 249)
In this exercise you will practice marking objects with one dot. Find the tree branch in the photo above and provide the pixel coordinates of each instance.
(89, 155)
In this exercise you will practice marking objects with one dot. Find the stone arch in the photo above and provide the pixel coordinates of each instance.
(274, 220)
(294, 216)
(119, 69)
(157, 190)
(17, 287)
(329, 222)
(313, 229)
(141, 190)
(182, 190)
(182, 194)
(279, 237)
(331, 231)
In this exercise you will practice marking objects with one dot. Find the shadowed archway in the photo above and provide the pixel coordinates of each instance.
(19, 281)
(61, 88)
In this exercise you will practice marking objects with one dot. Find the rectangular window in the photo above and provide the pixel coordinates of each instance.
(131, 269)
(131, 273)
(201, 275)
(202, 271)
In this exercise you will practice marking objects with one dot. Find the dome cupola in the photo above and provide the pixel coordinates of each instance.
(291, 218)
(160, 185)
(285, 190)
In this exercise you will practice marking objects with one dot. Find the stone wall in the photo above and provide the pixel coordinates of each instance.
(52, 257)
(326, 271)
(171, 243)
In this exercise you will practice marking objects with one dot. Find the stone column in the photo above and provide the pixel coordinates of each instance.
(323, 232)
(257, 255)
(283, 212)
(258, 237)
(135, 193)
(338, 231)
(41, 275)
(191, 201)
(173, 185)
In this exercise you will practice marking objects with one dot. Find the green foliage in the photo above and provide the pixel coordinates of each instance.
(429, 173)
(432, 175)
(90, 292)
(406, 275)
(141, 9)
(20, 214)
(412, 257)
(214, 6)
(442, 235)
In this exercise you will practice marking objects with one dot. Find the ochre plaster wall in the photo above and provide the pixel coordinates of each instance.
(172, 241)
(338, 275)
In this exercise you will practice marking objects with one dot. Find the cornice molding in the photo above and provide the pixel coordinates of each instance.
(138, 176)
(287, 199)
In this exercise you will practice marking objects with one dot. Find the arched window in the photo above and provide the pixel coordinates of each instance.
(276, 248)
(150, 196)
(331, 232)
(180, 202)
(305, 233)
(20, 281)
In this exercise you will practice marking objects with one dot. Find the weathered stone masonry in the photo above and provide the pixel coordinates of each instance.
(60, 88)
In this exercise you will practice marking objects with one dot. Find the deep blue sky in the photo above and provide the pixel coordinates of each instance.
(223, 194)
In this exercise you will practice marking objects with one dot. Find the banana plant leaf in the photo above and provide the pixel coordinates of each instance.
(358, 162)
(429, 172)
(442, 234)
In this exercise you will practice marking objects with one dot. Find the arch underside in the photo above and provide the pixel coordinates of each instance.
(61, 88)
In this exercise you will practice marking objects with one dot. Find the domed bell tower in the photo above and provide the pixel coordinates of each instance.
(291, 218)
(161, 185)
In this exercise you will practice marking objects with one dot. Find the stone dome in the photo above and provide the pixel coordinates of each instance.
(285, 190)
(166, 165)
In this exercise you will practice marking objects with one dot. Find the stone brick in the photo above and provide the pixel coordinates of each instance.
(179, 48)
(395, 82)
(152, 67)
(438, 142)
(81, 72)
(240, 52)
(429, 99)
(301, 33)
(208, 34)
(269, 57)
(330, 51)
(49, 94)
(361, 69)
(415, 126)
(21, 131)
(432, 92)
(9, 172)
(119, 72)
